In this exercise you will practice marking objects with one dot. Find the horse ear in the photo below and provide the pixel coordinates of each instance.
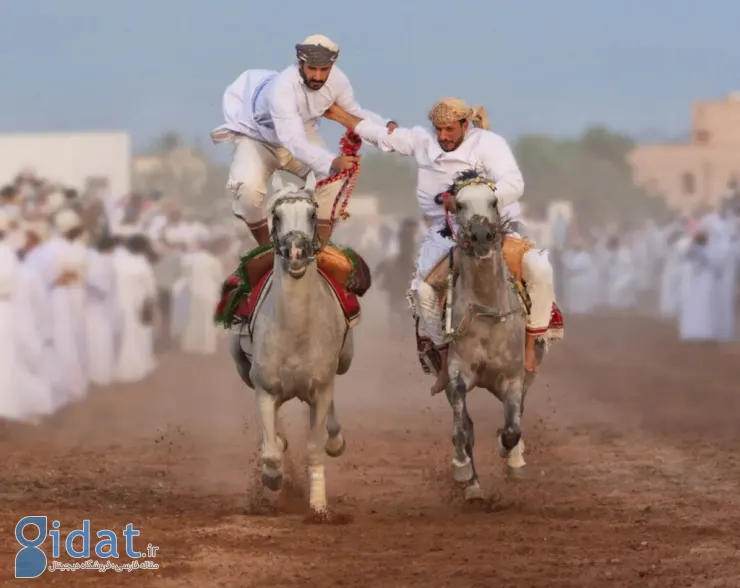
(277, 182)
(310, 186)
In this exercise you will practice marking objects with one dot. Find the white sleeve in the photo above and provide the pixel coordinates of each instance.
(501, 167)
(403, 141)
(290, 129)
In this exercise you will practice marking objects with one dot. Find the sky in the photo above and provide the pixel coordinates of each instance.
(538, 66)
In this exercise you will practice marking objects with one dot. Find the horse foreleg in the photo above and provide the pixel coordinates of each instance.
(316, 447)
(335, 444)
(462, 464)
(271, 454)
(511, 445)
(473, 490)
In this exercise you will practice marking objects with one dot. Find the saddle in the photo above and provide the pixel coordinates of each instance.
(343, 269)
(513, 249)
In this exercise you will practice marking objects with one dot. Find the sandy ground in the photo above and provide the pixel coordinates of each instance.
(632, 445)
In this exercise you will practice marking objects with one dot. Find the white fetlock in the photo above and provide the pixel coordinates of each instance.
(516, 456)
(317, 498)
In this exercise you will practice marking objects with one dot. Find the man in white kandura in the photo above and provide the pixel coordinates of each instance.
(459, 146)
(272, 119)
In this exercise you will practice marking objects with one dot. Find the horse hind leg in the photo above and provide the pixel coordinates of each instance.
(462, 463)
(273, 444)
(335, 444)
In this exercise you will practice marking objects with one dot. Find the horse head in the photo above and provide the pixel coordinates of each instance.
(481, 227)
(294, 233)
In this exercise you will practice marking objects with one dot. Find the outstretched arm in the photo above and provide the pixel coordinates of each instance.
(400, 140)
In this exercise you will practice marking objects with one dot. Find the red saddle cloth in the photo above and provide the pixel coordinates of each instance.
(349, 301)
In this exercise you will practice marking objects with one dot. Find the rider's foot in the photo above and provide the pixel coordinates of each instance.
(530, 353)
(443, 378)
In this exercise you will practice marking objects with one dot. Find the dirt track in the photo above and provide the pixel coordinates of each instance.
(632, 440)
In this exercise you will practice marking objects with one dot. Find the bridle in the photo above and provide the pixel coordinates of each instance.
(464, 235)
(279, 244)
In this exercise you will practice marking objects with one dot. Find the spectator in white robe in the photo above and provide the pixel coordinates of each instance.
(720, 228)
(670, 278)
(32, 319)
(61, 262)
(205, 275)
(698, 275)
(136, 296)
(102, 316)
(11, 401)
(620, 274)
(581, 279)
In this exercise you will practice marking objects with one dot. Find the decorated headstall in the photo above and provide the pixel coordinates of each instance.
(448, 200)
(312, 242)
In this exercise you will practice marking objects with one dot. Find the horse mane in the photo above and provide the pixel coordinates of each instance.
(504, 226)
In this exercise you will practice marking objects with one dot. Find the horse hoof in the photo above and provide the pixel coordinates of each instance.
(462, 472)
(517, 474)
(336, 445)
(473, 492)
(272, 480)
(282, 442)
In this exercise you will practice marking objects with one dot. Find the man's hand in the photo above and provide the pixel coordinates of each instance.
(345, 162)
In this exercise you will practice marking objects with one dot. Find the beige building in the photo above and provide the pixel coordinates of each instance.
(689, 175)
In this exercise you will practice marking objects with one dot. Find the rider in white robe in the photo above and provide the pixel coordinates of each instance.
(101, 318)
(135, 287)
(457, 147)
(272, 119)
(61, 261)
(205, 275)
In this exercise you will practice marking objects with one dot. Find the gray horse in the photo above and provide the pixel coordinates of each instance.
(300, 341)
(485, 326)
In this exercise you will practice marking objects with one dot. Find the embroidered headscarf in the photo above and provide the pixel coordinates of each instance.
(449, 110)
(317, 51)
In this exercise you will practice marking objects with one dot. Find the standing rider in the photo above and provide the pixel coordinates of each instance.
(272, 119)
(459, 146)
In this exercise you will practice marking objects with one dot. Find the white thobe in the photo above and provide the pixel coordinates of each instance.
(621, 280)
(135, 284)
(205, 275)
(101, 322)
(723, 291)
(482, 150)
(580, 281)
(670, 279)
(278, 109)
(698, 276)
(12, 404)
(32, 320)
(67, 354)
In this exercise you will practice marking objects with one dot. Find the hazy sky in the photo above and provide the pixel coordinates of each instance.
(537, 65)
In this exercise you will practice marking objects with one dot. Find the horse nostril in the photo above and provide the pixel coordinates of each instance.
(489, 236)
(475, 238)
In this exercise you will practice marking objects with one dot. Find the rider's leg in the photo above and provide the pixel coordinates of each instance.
(430, 313)
(252, 166)
(537, 273)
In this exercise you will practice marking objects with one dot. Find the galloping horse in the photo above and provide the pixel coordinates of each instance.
(485, 326)
(299, 340)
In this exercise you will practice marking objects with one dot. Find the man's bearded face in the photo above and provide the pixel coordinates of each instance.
(314, 76)
(451, 135)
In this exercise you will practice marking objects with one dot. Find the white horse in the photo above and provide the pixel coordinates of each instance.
(300, 341)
